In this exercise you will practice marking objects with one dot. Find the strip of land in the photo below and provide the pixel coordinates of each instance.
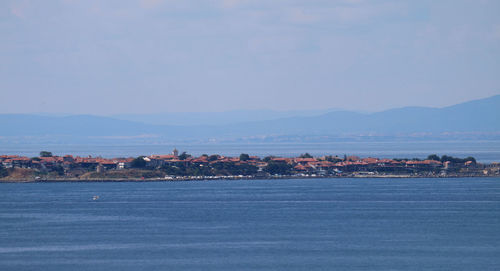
(175, 166)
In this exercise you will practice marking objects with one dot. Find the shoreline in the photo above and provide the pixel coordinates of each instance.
(236, 178)
(184, 167)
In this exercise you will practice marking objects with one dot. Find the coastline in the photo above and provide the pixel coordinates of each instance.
(184, 167)
(238, 178)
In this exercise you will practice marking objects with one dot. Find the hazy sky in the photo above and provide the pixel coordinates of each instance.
(106, 57)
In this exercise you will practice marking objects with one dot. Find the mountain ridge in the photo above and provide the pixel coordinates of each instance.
(481, 115)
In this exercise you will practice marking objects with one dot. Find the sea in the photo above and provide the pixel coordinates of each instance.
(287, 224)
(485, 151)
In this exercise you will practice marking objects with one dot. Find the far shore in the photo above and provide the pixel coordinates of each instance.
(184, 167)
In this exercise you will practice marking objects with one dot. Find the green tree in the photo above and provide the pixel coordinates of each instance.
(244, 157)
(138, 162)
(45, 154)
(59, 170)
(221, 168)
(446, 158)
(305, 155)
(3, 171)
(268, 158)
(433, 157)
(184, 156)
(213, 157)
(245, 169)
(174, 170)
(278, 168)
(331, 158)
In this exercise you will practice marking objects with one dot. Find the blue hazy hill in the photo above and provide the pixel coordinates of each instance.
(216, 118)
(474, 116)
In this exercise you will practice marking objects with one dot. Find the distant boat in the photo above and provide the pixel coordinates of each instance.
(95, 197)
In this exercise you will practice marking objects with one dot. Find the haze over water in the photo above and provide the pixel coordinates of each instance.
(322, 224)
(486, 151)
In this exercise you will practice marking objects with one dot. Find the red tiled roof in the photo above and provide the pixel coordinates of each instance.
(280, 159)
(370, 160)
(388, 161)
(124, 160)
(163, 156)
(300, 167)
(426, 162)
(326, 164)
(349, 163)
(200, 160)
(48, 159)
(21, 159)
(8, 156)
(300, 160)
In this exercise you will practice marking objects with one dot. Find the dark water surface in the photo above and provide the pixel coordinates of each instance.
(324, 224)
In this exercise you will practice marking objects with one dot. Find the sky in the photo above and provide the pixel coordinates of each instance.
(153, 56)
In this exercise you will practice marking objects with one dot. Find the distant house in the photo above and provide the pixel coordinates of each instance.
(108, 165)
(7, 163)
(352, 158)
(427, 164)
(21, 162)
(68, 158)
(124, 163)
(283, 160)
(86, 162)
(304, 161)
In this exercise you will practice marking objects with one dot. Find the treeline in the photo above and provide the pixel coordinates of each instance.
(446, 158)
(183, 169)
(3, 171)
(221, 168)
(217, 168)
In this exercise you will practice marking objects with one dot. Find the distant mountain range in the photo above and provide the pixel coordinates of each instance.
(479, 116)
(217, 118)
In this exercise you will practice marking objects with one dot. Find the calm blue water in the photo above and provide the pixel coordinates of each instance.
(328, 224)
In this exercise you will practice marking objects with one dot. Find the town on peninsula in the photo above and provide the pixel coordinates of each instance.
(175, 166)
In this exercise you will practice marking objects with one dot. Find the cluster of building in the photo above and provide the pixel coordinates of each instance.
(320, 166)
(66, 162)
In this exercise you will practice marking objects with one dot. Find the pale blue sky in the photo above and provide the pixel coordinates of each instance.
(150, 56)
